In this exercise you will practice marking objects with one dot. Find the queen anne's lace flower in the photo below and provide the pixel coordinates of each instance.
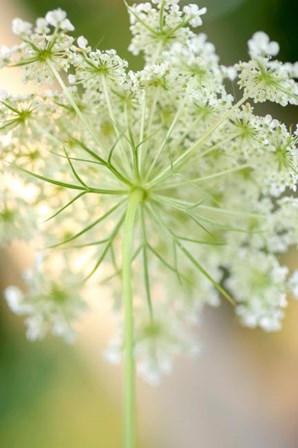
(16, 219)
(214, 180)
(259, 284)
(156, 28)
(40, 47)
(264, 79)
(156, 345)
(48, 304)
(93, 67)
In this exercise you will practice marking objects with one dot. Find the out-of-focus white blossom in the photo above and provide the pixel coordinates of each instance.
(258, 282)
(260, 45)
(58, 19)
(17, 222)
(293, 284)
(49, 305)
(82, 42)
(20, 27)
(157, 343)
(193, 14)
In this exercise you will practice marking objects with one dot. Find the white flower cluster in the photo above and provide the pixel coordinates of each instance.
(260, 45)
(16, 219)
(157, 343)
(155, 28)
(216, 181)
(263, 79)
(49, 304)
(46, 42)
(92, 67)
(260, 286)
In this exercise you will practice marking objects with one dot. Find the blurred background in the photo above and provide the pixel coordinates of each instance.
(241, 392)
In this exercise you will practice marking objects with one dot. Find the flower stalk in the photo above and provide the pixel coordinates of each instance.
(136, 198)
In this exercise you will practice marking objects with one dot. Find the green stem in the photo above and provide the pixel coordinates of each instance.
(136, 198)
(185, 156)
(73, 103)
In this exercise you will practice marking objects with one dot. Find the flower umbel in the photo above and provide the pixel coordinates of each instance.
(164, 166)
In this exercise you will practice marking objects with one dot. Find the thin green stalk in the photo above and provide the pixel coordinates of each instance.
(98, 160)
(165, 140)
(74, 105)
(143, 117)
(191, 258)
(59, 183)
(133, 146)
(146, 265)
(136, 198)
(204, 178)
(112, 116)
(186, 154)
(144, 151)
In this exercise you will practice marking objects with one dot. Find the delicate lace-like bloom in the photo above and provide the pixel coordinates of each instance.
(182, 193)
(19, 114)
(48, 304)
(40, 47)
(193, 14)
(57, 19)
(260, 45)
(94, 68)
(156, 28)
(264, 79)
(258, 282)
(20, 27)
(157, 343)
(17, 222)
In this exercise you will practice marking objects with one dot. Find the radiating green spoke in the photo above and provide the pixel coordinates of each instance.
(191, 258)
(65, 206)
(106, 249)
(89, 227)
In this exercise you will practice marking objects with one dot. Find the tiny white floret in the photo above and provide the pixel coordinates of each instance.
(19, 26)
(82, 42)
(260, 45)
